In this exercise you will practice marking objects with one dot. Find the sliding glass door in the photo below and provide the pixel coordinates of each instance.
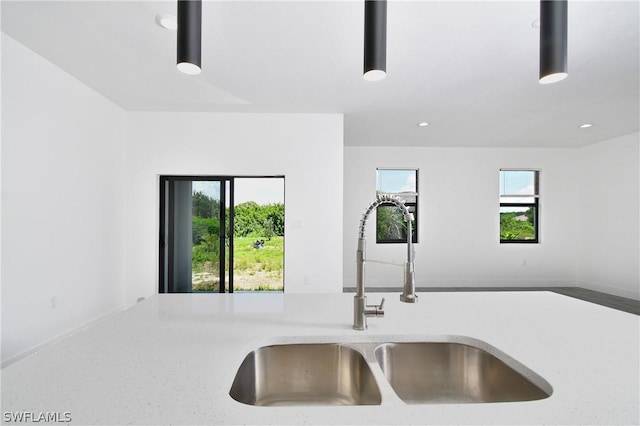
(209, 242)
(192, 235)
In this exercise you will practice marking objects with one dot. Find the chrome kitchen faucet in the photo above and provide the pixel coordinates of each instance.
(360, 308)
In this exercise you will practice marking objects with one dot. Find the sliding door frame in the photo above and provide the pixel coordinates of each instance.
(165, 267)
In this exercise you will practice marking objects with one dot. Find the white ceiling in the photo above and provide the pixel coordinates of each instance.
(468, 68)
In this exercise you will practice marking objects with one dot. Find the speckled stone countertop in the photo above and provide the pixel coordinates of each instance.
(172, 358)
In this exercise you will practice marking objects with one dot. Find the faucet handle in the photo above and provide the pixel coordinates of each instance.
(375, 310)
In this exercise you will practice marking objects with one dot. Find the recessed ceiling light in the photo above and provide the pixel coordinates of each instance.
(167, 21)
(586, 125)
(423, 124)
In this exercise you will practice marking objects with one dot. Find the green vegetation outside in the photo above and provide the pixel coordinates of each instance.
(517, 225)
(254, 268)
(390, 224)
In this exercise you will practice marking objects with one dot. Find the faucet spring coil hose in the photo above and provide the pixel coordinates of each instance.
(384, 199)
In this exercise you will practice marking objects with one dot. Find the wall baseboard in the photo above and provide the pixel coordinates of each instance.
(372, 282)
(58, 338)
(620, 303)
(616, 291)
(463, 287)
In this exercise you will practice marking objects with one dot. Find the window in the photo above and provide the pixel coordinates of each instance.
(519, 206)
(390, 224)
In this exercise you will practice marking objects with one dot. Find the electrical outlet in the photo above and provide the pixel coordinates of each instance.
(524, 262)
(54, 302)
(307, 280)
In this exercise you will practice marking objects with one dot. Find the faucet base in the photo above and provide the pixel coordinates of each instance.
(361, 311)
(409, 298)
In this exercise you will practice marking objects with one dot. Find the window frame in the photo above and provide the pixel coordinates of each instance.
(535, 205)
(413, 207)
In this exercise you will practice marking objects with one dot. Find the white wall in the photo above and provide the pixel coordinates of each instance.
(609, 215)
(459, 217)
(62, 201)
(306, 148)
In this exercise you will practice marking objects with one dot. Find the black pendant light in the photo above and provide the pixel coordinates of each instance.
(375, 39)
(189, 36)
(553, 41)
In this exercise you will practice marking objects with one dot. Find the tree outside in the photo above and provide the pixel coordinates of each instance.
(517, 225)
(256, 266)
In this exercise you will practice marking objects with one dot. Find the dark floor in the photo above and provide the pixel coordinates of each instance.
(616, 302)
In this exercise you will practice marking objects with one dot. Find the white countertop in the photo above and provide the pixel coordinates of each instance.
(172, 358)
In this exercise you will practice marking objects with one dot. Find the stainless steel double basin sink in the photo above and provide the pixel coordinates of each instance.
(416, 372)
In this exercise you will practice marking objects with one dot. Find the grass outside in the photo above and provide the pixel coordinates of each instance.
(517, 226)
(254, 269)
